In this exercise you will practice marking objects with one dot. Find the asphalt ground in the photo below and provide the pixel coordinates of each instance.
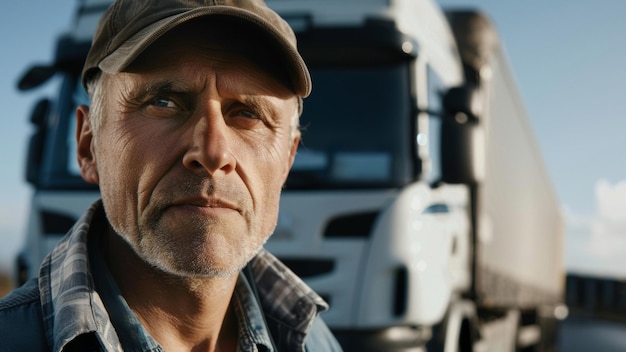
(587, 334)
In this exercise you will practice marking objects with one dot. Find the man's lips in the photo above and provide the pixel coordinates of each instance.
(205, 203)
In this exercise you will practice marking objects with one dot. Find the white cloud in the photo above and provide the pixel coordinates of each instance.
(597, 244)
(608, 230)
(608, 239)
(611, 201)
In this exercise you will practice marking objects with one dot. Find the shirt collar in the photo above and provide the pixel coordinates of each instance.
(70, 305)
(283, 295)
(253, 330)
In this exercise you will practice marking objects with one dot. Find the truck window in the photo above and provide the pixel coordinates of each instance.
(355, 129)
(60, 169)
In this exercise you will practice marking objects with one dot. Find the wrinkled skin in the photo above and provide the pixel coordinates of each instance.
(193, 150)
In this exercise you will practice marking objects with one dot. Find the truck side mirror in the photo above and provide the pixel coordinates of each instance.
(460, 139)
(35, 76)
(37, 140)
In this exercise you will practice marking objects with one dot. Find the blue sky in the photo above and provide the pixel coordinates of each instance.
(568, 58)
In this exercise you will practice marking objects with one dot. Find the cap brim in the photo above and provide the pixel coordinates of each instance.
(121, 58)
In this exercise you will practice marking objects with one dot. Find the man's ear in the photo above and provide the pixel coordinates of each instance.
(85, 147)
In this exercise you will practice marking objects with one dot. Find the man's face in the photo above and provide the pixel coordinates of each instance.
(194, 148)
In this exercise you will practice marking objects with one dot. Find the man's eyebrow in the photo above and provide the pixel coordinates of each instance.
(163, 86)
(263, 105)
(144, 90)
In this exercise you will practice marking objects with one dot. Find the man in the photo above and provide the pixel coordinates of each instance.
(191, 132)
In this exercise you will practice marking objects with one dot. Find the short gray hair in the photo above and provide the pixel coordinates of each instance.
(95, 91)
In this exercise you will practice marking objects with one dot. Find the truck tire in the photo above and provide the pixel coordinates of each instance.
(458, 332)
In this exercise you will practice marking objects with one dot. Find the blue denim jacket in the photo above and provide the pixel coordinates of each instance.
(62, 311)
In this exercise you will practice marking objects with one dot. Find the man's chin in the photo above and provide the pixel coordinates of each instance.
(198, 265)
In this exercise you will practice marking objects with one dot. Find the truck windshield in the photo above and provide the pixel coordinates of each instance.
(356, 129)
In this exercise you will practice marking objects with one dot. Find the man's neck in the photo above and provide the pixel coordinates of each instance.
(181, 314)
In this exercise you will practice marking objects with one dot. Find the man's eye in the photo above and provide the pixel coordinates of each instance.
(164, 103)
(247, 114)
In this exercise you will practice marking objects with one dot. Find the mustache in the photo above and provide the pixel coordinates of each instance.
(200, 191)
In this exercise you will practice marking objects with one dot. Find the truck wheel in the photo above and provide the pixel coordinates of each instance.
(457, 333)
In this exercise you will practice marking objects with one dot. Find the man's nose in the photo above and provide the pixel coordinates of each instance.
(211, 148)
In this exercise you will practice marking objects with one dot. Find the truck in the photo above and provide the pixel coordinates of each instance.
(418, 204)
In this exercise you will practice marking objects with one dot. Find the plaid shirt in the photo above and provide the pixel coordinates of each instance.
(61, 311)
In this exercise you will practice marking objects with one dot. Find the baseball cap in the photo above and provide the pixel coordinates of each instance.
(129, 27)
